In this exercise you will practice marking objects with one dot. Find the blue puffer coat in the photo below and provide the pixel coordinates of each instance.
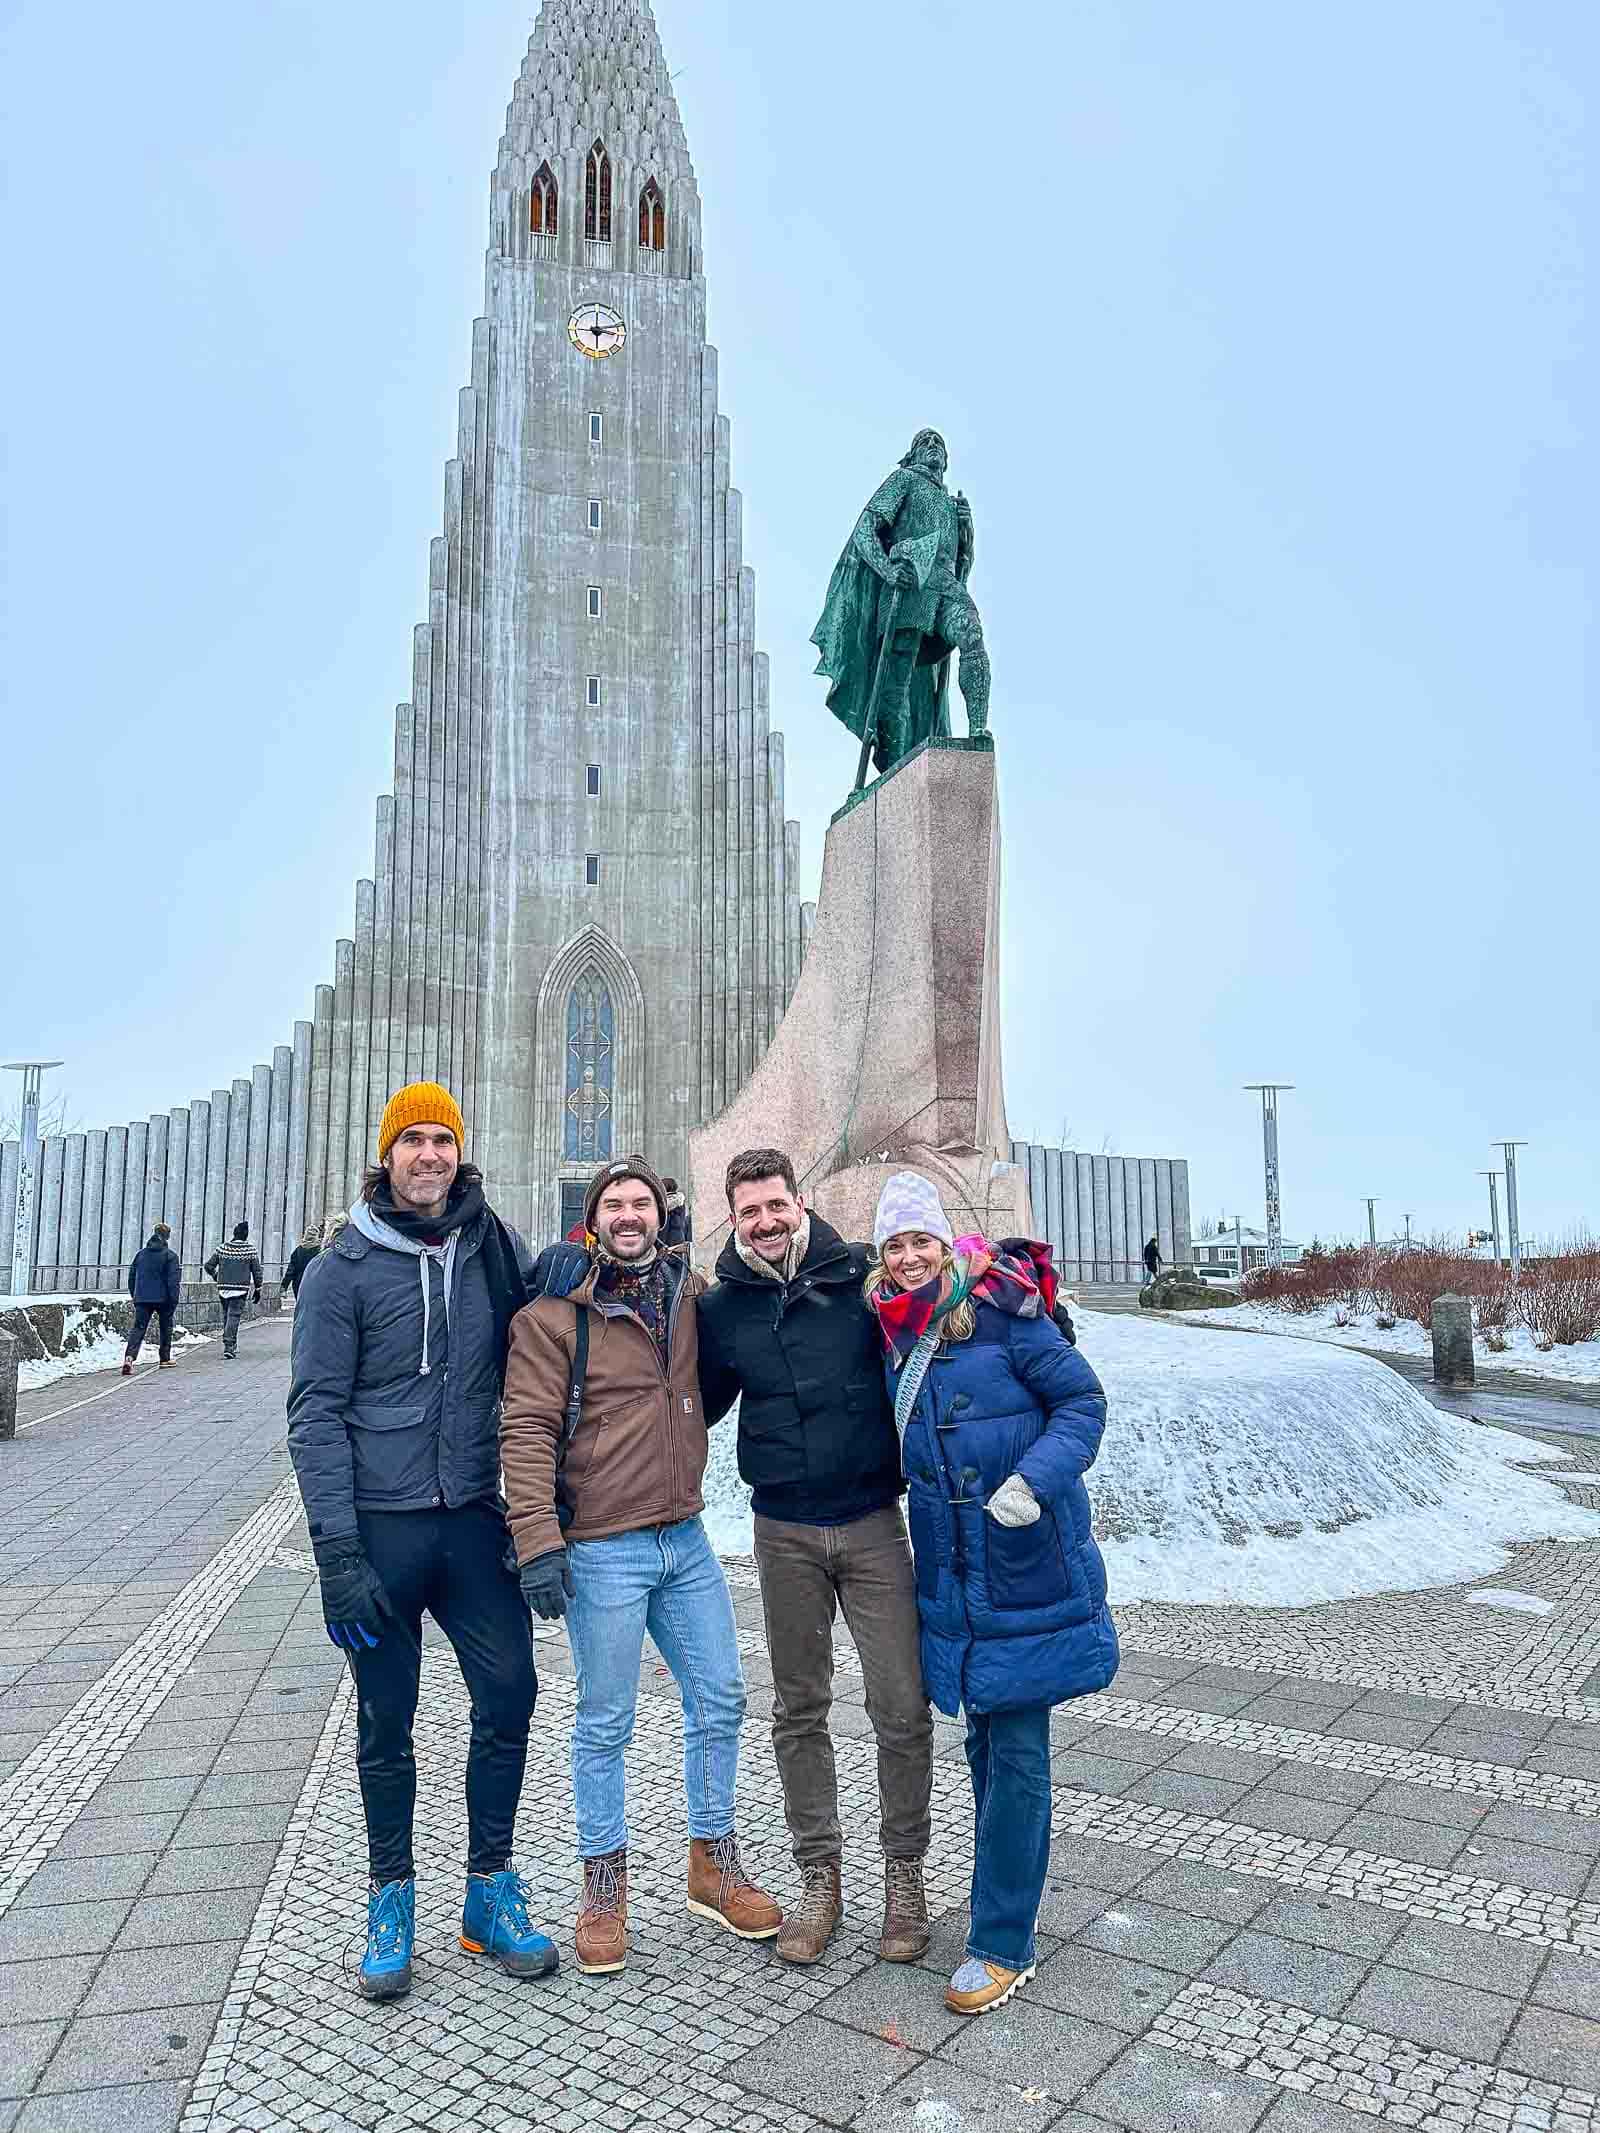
(1010, 1616)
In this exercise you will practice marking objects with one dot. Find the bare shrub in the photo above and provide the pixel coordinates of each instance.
(1341, 1318)
(1494, 1339)
(1409, 1282)
(1558, 1297)
(1384, 1323)
(1494, 1298)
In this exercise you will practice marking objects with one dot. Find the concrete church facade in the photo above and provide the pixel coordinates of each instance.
(583, 914)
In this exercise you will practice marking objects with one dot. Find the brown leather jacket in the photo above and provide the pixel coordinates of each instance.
(639, 1453)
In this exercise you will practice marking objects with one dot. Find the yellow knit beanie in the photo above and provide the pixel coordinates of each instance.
(420, 1103)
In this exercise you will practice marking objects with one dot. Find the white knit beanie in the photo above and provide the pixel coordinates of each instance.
(909, 1202)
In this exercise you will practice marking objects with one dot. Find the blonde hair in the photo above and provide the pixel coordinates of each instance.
(956, 1325)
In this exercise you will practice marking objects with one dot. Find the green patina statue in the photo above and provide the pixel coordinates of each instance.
(897, 607)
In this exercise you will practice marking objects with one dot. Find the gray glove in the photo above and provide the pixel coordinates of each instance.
(1013, 1503)
(547, 1584)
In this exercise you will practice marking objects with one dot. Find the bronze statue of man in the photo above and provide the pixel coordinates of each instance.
(898, 606)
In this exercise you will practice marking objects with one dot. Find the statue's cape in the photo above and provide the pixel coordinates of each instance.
(847, 638)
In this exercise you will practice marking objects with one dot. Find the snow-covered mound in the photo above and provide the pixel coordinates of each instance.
(1281, 1474)
(1271, 1474)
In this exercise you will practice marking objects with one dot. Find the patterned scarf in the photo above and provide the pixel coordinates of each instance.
(639, 1288)
(1015, 1275)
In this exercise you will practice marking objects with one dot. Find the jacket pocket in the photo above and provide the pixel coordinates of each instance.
(395, 1453)
(1027, 1566)
(771, 1453)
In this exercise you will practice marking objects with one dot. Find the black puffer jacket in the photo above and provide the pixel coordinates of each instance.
(817, 1440)
(156, 1275)
(369, 1427)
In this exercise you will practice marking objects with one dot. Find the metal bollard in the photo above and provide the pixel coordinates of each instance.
(8, 1388)
(1452, 1341)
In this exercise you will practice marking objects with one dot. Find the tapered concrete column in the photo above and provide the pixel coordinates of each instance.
(155, 1173)
(238, 1156)
(195, 1247)
(112, 1264)
(360, 1033)
(133, 1185)
(295, 1212)
(255, 1184)
(10, 1162)
(175, 1204)
(45, 1260)
(344, 965)
(217, 1138)
(275, 1247)
(69, 1251)
(319, 1198)
(90, 1273)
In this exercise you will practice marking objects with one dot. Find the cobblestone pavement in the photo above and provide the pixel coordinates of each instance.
(1309, 1866)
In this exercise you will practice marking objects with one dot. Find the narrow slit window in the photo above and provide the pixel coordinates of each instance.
(594, 514)
(592, 690)
(597, 429)
(591, 781)
(591, 870)
(594, 603)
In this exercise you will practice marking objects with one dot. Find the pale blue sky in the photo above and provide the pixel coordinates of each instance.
(1257, 335)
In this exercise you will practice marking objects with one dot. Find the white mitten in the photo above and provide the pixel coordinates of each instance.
(1013, 1503)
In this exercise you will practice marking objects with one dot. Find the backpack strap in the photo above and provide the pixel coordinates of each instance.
(573, 1415)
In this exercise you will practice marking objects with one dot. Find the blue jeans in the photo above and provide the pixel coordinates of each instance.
(1008, 1754)
(666, 1580)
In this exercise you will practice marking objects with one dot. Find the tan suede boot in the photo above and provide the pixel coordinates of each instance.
(602, 1935)
(905, 1912)
(815, 1919)
(720, 1889)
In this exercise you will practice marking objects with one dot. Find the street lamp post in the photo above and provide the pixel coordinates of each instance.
(1269, 1149)
(1513, 1234)
(1494, 1209)
(31, 1071)
(1372, 1220)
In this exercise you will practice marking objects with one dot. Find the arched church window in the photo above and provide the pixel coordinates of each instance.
(591, 1050)
(542, 205)
(652, 219)
(597, 194)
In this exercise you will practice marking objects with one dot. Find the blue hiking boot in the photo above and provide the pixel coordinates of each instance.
(385, 1972)
(495, 1923)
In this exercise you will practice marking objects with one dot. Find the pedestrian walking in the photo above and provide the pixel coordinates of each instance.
(398, 1361)
(1152, 1257)
(236, 1271)
(787, 1331)
(677, 1229)
(155, 1283)
(603, 1439)
(302, 1257)
(999, 1419)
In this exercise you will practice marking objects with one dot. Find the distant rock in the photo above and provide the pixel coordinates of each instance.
(1175, 1291)
(46, 1330)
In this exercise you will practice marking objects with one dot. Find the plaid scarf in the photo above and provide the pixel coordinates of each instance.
(1015, 1275)
(640, 1287)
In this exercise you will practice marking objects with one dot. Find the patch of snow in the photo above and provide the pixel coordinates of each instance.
(1283, 1474)
(1578, 1365)
(934, 2115)
(103, 1353)
(1272, 1474)
(1520, 1603)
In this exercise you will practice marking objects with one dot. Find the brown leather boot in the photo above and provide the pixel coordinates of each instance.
(602, 1936)
(812, 1924)
(720, 1889)
(905, 1912)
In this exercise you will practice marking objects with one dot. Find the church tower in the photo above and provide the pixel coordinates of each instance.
(583, 915)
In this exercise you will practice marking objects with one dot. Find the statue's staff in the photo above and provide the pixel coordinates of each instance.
(919, 553)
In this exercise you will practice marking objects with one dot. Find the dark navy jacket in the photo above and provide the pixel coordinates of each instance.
(156, 1275)
(816, 1436)
(369, 1429)
(1010, 1616)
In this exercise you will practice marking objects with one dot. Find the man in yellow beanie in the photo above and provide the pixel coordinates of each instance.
(398, 1362)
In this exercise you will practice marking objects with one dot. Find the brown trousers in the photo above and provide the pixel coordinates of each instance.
(807, 1574)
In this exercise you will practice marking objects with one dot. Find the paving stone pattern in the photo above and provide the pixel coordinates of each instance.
(1308, 1866)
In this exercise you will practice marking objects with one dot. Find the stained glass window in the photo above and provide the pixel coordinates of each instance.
(652, 219)
(542, 205)
(597, 194)
(591, 1049)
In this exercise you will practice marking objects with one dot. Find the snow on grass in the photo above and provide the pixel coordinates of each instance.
(104, 1352)
(1579, 1364)
(1283, 1474)
(1271, 1474)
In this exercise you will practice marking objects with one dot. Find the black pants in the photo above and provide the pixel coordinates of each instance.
(142, 1315)
(232, 1312)
(451, 1564)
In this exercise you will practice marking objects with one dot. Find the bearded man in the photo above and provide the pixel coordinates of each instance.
(603, 1441)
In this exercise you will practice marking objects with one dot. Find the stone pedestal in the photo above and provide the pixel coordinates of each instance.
(1452, 1341)
(889, 1055)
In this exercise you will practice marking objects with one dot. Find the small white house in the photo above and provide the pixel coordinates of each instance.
(1218, 1246)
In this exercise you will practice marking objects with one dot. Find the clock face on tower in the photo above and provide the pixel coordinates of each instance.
(596, 330)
